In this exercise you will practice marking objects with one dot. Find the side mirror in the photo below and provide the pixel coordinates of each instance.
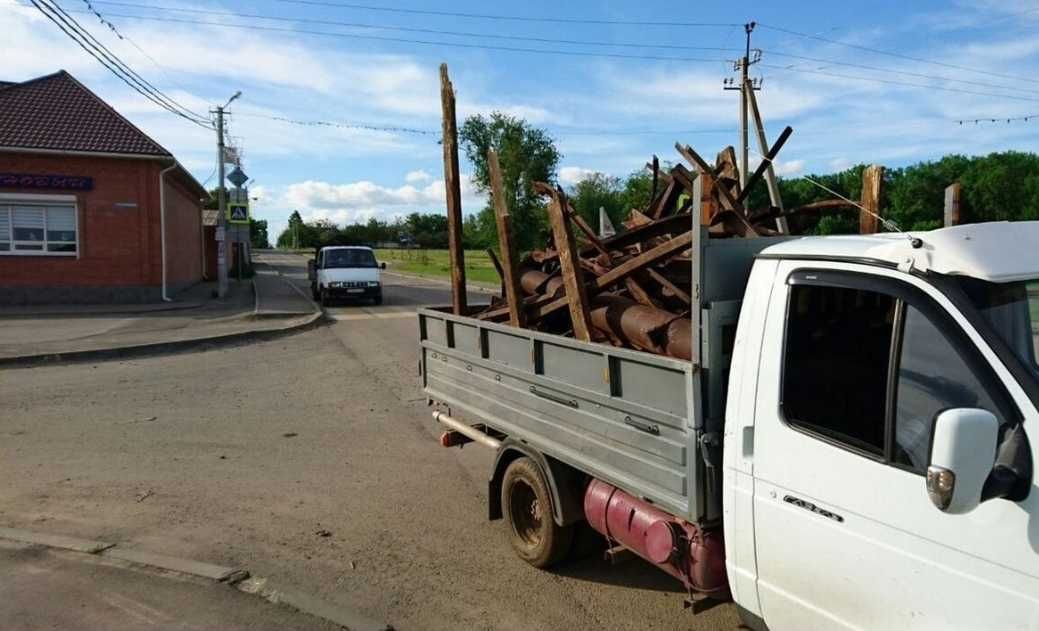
(311, 270)
(963, 452)
(382, 265)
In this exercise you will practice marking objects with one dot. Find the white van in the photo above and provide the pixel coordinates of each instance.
(345, 271)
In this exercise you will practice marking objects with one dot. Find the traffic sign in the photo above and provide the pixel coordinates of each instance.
(238, 213)
(237, 177)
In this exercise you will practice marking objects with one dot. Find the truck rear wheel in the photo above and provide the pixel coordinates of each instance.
(527, 508)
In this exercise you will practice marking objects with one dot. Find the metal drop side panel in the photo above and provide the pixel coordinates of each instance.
(623, 416)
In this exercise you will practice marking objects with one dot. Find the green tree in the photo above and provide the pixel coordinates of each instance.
(258, 233)
(527, 155)
(595, 192)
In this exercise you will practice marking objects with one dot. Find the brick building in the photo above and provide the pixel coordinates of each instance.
(91, 208)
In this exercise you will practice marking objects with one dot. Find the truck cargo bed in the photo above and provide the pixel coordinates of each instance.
(624, 416)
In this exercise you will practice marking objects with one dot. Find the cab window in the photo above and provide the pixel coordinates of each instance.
(869, 363)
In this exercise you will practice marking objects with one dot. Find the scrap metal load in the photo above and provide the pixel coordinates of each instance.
(634, 288)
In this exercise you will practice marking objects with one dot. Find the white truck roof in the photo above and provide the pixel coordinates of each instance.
(345, 247)
(1000, 251)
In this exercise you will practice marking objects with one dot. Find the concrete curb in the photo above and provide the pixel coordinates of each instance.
(239, 578)
(88, 312)
(161, 348)
(313, 606)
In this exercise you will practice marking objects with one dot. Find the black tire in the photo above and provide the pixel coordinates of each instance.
(313, 292)
(324, 298)
(377, 300)
(527, 508)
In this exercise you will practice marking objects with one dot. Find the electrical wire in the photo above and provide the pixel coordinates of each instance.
(71, 28)
(998, 119)
(578, 42)
(896, 72)
(513, 18)
(895, 82)
(404, 29)
(341, 125)
(112, 27)
(542, 51)
(143, 83)
(548, 40)
(897, 55)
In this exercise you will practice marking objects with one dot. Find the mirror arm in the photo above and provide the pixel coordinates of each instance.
(1011, 477)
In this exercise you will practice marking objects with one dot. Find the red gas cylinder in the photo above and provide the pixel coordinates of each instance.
(693, 556)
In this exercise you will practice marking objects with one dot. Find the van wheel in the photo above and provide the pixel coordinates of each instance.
(323, 298)
(377, 300)
(313, 292)
(527, 508)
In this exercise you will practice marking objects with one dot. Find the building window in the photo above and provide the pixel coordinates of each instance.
(37, 229)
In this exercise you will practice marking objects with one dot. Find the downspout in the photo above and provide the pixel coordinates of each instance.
(162, 224)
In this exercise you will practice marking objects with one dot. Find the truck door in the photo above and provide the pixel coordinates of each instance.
(856, 363)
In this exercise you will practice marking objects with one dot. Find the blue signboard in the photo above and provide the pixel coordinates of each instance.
(57, 182)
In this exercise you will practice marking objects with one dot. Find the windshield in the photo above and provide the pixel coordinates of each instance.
(1012, 310)
(349, 258)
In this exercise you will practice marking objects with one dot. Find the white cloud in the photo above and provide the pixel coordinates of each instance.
(793, 167)
(414, 177)
(573, 175)
(363, 199)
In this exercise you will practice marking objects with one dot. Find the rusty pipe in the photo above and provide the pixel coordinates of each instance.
(535, 282)
(645, 327)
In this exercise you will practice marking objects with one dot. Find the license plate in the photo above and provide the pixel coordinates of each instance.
(355, 291)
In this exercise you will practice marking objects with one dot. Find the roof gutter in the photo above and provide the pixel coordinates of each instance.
(162, 223)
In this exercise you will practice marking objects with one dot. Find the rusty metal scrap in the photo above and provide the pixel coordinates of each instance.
(634, 289)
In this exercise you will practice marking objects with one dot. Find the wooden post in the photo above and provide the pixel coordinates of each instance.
(770, 174)
(510, 271)
(453, 186)
(952, 205)
(872, 187)
(570, 264)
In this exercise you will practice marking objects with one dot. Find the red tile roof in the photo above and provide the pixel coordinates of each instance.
(59, 113)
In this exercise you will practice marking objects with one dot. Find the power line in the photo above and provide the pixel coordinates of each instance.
(549, 40)
(894, 54)
(71, 28)
(998, 119)
(405, 29)
(896, 72)
(896, 82)
(342, 125)
(562, 41)
(518, 49)
(127, 38)
(141, 82)
(513, 18)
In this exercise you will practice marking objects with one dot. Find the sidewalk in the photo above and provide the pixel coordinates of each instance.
(277, 296)
(43, 588)
(66, 332)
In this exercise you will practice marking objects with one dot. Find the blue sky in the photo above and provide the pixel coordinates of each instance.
(985, 56)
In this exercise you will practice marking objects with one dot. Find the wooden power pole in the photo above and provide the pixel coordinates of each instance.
(453, 187)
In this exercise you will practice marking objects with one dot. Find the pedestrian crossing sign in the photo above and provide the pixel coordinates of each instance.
(238, 213)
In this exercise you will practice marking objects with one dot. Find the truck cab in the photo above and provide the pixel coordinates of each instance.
(877, 463)
(345, 271)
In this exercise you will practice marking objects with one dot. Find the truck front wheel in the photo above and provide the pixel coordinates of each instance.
(527, 508)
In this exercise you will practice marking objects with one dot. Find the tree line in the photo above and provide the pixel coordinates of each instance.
(998, 186)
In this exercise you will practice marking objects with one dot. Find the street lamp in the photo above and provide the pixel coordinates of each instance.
(221, 222)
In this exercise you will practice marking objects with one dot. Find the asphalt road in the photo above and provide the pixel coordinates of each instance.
(311, 460)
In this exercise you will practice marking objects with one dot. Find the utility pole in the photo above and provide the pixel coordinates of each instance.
(743, 65)
(221, 220)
